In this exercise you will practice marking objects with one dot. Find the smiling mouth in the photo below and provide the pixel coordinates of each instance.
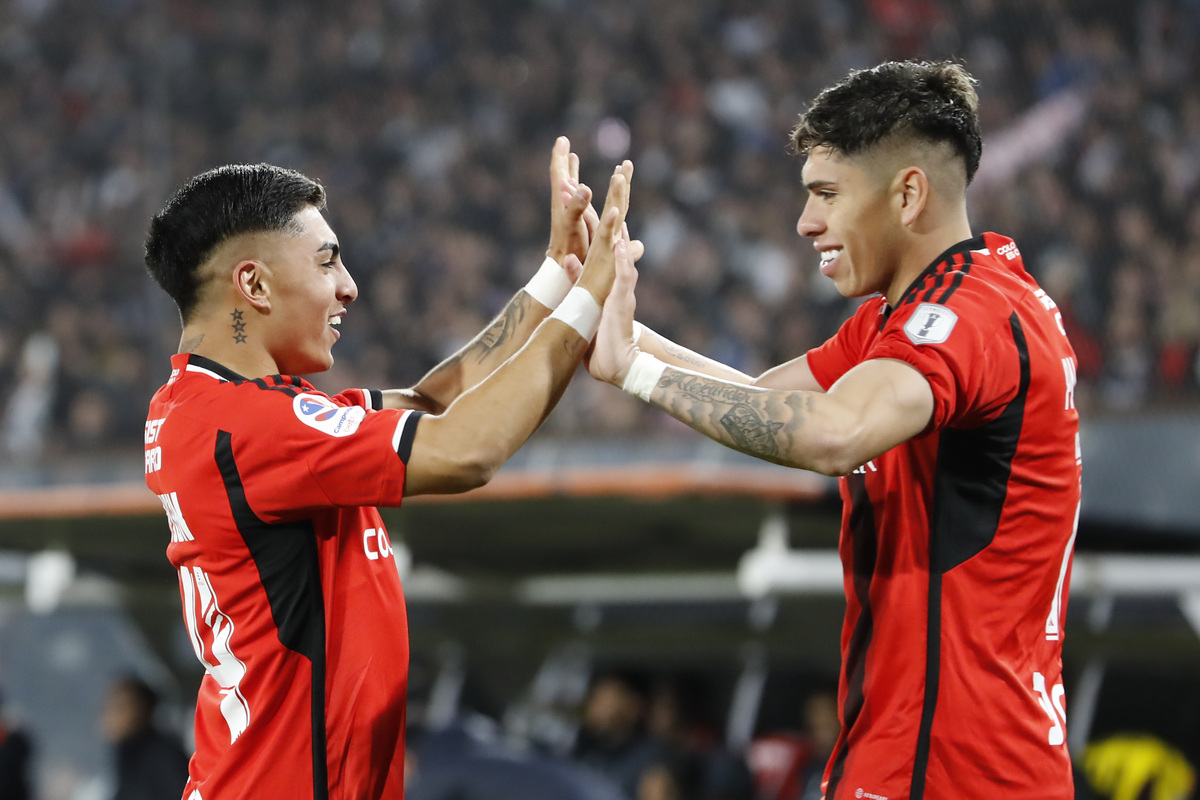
(827, 259)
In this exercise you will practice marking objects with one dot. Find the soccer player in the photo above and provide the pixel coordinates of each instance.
(946, 404)
(290, 595)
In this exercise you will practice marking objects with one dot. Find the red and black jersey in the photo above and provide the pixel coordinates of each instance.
(290, 595)
(956, 545)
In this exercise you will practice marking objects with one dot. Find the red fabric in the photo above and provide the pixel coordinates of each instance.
(270, 486)
(993, 728)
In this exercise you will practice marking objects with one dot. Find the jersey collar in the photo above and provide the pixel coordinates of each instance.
(190, 362)
(194, 363)
(966, 245)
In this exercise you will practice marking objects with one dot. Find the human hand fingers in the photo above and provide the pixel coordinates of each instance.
(614, 349)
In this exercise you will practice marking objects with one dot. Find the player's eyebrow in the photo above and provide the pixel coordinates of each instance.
(814, 186)
(333, 247)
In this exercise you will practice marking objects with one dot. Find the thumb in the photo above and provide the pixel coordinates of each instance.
(573, 267)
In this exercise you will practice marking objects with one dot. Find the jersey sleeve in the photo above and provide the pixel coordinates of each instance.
(964, 348)
(842, 351)
(306, 450)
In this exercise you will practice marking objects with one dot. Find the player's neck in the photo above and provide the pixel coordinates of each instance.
(234, 350)
(921, 250)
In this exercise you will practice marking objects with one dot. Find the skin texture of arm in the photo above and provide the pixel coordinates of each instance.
(874, 407)
(461, 447)
(783, 417)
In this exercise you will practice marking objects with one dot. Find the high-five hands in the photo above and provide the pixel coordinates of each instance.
(614, 349)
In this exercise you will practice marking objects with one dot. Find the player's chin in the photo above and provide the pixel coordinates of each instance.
(312, 364)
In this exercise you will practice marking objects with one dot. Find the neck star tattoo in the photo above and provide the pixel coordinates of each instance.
(239, 326)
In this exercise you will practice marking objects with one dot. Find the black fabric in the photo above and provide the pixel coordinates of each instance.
(971, 482)
(404, 447)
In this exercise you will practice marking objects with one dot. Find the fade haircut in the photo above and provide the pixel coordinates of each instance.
(927, 102)
(216, 206)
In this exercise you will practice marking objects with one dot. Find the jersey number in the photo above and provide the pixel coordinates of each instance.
(211, 632)
(1052, 703)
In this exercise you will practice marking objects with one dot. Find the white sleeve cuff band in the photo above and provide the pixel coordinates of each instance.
(644, 374)
(581, 311)
(550, 284)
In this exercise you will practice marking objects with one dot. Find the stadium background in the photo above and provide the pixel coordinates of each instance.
(615, 537)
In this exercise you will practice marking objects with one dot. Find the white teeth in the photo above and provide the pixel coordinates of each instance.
(830, 255)
(335, 320)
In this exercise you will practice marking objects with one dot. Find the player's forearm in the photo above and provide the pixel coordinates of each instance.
(784, 427)
(462, 447)
(677, 355)
(483, 354)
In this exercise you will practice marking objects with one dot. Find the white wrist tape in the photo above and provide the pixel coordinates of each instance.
(581, 311)
(644, 374)
(549, 285)
(637, 331)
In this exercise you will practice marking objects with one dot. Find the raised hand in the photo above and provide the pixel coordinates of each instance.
(573, 221)
(614, 349)
(599, 268)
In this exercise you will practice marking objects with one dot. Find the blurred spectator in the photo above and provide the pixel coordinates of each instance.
(150, 763)
(16, 751)
(790, 764)
(613, 739)
(697, 765)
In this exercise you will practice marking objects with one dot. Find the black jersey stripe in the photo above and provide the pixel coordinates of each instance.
(286, 557)
(214, 367)
(953, 256)
(933, 653)
(969, 489)
(954, 284)
(288, 390)
(935, 284)
(407, 434)
(866, 549)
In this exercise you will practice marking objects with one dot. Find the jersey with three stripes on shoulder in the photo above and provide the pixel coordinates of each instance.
(956, 545)
(290, 594)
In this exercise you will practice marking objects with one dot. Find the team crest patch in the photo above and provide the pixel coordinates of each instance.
(318, 412)
(930, 324)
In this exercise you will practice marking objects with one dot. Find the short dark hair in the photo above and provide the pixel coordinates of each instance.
(934, 102)
(213, 207)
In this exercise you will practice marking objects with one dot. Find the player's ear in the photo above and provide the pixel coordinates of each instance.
(911, 191)
(251, 281)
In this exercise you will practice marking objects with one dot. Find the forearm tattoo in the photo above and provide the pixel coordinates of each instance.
(760, 422)
(683, 354)
(502, 331)
(239, 326)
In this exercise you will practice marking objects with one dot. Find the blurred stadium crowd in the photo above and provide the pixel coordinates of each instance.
(430, 123)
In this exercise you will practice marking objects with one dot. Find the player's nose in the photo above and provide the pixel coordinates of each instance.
(809, 224)
(347, 288)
